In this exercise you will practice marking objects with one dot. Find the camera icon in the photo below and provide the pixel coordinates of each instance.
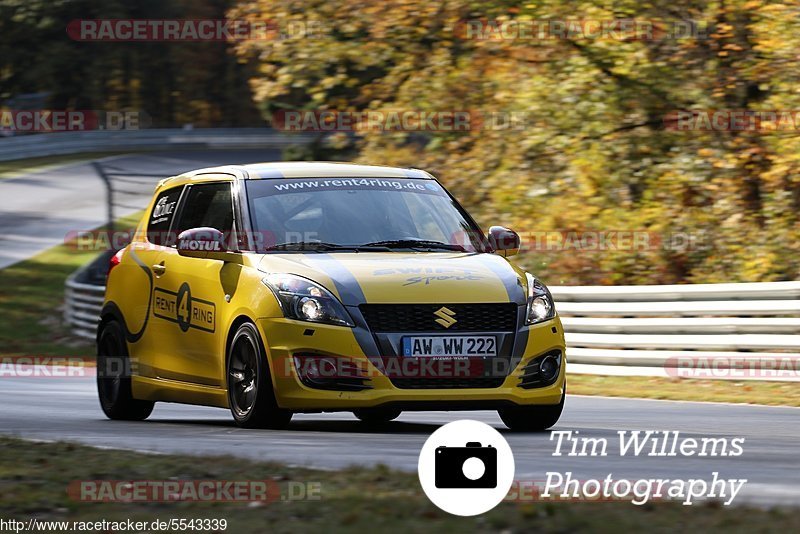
(466, 480)
(473, 466)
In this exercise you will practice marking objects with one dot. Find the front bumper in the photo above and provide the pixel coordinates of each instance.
(286, 338)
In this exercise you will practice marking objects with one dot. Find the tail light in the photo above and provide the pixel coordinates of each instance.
(115, 260)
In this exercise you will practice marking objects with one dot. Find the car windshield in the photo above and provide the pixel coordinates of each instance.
(379, 214)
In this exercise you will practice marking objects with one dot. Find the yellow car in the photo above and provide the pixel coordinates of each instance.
(277, 288)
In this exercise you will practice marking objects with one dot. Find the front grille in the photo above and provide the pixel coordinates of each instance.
(422, 318)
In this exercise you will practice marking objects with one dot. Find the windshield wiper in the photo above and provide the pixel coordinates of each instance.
(320, 246)
(415, 243)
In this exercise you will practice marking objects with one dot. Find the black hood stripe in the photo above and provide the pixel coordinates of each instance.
(507, 276)
(351, 295)
(346, 283)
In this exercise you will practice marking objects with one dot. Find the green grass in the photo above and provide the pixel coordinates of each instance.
(34, 478)
(688, 389)
(32, 298)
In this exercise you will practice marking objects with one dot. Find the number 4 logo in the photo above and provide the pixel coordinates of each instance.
(184, 307)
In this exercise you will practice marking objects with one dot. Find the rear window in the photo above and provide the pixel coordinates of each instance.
(161, 217)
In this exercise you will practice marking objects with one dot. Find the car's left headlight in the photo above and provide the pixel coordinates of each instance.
(306, 300)
(540, 303)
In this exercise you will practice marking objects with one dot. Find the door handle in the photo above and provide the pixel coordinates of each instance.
(159, 269)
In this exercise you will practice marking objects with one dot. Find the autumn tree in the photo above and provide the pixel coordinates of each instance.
(596, 152)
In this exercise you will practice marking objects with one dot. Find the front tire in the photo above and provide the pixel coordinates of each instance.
(532, 418)
(114, 377)
(377, 416)
(250, 393)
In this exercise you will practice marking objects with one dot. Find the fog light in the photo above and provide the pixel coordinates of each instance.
(548, 369)
(330, 372)
(327, 368)
(310, 369)
(542, 371)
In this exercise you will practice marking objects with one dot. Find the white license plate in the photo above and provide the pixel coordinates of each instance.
(427, 346)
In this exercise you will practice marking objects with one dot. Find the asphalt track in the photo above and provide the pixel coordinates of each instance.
(52, 409)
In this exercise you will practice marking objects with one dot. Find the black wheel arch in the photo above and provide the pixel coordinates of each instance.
(110, 312)
(235, 325)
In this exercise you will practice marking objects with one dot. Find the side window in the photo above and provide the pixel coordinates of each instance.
(161, 217)
(208, 205)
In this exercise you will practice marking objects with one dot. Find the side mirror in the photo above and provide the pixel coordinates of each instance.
(208, 243)
(504, 241)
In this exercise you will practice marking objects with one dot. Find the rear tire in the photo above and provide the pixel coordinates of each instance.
(250, 393)
(114, 377)
(532, 418)
(377, 416)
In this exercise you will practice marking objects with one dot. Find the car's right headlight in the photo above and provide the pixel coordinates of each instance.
(306, 300)
(540, 303)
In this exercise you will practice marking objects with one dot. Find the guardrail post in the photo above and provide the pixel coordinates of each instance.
(109, 193)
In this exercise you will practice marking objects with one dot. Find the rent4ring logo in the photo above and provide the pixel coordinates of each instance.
(184, 309)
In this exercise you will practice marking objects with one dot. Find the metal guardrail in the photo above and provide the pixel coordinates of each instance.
(82, 309)
(660, 293)
(754, 325)
(598, 338)
(84, 292)
(54, 144)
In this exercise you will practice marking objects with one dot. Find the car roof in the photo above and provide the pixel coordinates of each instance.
(295, 169)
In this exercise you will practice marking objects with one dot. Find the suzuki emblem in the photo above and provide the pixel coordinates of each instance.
(446, 317)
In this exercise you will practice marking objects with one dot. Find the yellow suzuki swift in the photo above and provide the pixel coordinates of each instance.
(277, 288)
